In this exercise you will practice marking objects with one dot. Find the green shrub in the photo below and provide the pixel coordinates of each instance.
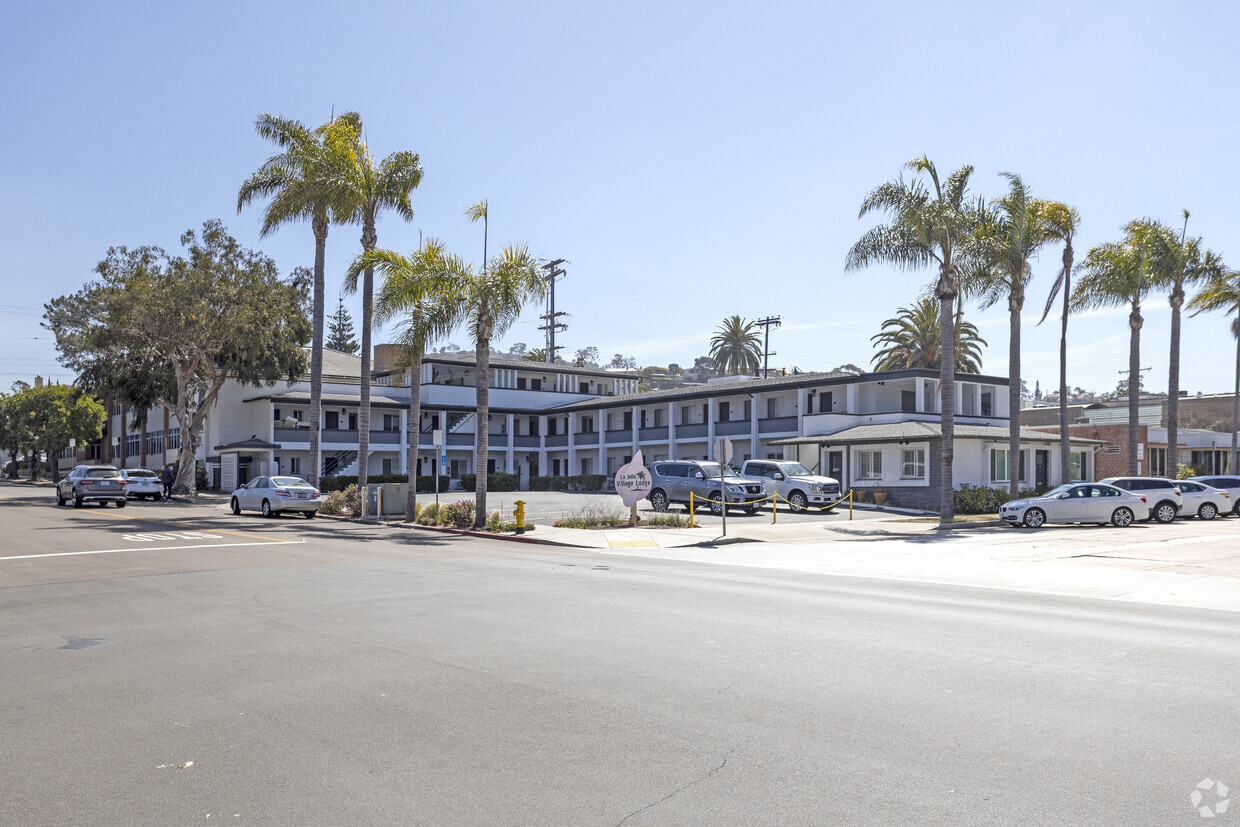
(578, 482)
(459, 514)
(592, 516)
(979, 499)
(540, 483)
(428, 513)
(495, 482)
(346, 503)
(669, 520)
(1185, 471)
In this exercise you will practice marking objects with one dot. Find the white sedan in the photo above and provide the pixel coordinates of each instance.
(143, 483)
(1203, 501)
(1077, 503)
(274, 495)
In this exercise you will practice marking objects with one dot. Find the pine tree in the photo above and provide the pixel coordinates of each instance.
(340, 331)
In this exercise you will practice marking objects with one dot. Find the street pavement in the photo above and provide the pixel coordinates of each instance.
(173, 664)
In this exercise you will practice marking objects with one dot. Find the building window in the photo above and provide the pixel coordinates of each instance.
(1000, 467)
(535, 384)
(908, 401)
(132, 441)
(387, 467)
(1079, 465)
(155, 442)
(391, 422)
(988, 405)
(869, 465)
(174, 439)
(294, 465)
(587, 425)
(331, 420)
(913, 466)
(276, 412)
(825, 402)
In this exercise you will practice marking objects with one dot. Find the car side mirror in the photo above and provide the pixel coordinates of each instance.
(777, 476)
(1065, 495)
(700, 475)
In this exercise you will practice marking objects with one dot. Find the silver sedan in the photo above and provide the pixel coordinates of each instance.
(274, 495)
(1077, 503)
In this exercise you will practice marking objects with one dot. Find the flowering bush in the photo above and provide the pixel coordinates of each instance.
(346, 503)
(459, 514)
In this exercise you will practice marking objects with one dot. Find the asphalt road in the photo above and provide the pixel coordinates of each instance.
(331, 673)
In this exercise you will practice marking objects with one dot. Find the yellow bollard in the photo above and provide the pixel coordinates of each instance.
(774, 507)
(850, 503)
(519, 516)
(691, 510)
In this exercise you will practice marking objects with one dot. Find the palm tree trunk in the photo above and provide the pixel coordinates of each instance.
(414, 434)
(1134, 383)
(1015, 303)
(482, 360)
(369, 240)
(320, 226)
(1065, 440)
(1173, 384)
(947, 397)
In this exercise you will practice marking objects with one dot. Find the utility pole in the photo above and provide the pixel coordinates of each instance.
(551, 326)
(767, 353)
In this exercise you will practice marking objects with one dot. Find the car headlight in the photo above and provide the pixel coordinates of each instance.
(735, 489)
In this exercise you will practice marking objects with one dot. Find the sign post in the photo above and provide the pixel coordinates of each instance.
(723, 454)
(632, 484)
(438, 463)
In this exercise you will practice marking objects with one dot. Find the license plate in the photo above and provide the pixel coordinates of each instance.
(301, 495)
(105, 485)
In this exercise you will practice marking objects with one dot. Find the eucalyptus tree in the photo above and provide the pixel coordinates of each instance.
(736, 347)
(1061, 223)
(911, 340)
(1117, 274)
(1010, 234)
(302, 183)
(1177, 263)
(417, 293)
(927, 225)
(368, 188)
(1222, 292)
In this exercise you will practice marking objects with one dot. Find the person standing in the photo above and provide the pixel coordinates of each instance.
(168, 478)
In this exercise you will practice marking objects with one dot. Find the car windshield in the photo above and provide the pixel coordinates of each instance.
(794, 469)
(101, 473)
(1055, 492)
(711, 469)
(141, 473)
(289, 482)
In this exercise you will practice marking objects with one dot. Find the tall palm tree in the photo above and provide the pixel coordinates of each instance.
(369, 188)
(736, 347)
(1222, 292)
(416, 290)
(1177, 263)
(1010, 234)
(911, 340)
(927, 226)
(1061, 223)
(300, 181)
(535, 355)
(1116, 274)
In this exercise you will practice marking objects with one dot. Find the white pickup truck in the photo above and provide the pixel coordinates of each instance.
(794, 482)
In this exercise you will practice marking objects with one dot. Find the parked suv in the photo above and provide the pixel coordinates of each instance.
(674, 481)
(795, 483)
(1229, 483)
(92, 483)
(1164, 496)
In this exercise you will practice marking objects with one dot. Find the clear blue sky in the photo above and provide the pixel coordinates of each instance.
(691, 161)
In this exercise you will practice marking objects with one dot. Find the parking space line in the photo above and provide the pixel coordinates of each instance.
(148, 548)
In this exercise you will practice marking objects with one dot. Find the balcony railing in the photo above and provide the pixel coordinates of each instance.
(619, 437)
(652, 434)
(777, 424)
(586, 438)
(739, 426)
(698, 430)
(557, 440)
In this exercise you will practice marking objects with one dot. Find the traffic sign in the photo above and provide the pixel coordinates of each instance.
(723, 450)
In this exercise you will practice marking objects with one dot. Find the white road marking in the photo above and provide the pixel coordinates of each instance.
(158, 548)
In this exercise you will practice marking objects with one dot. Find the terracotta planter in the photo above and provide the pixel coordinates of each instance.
(880, 497)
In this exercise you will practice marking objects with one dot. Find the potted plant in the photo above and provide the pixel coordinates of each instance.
(880, 497)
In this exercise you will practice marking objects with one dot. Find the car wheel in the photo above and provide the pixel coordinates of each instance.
(236, 506)
(1122, 517)
(120, 503)
(716, 504)
(267, 512)
(59, 500)
(796, 501)
(309, 515)
(77, 502)
(1034, 518)
(1207, 511)
(1164, 512)
(658, 500)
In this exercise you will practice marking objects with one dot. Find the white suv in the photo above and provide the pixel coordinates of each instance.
(1163, 495)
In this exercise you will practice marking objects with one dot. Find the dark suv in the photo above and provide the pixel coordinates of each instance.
(675, 481)
(1165, 498)
(92, 483)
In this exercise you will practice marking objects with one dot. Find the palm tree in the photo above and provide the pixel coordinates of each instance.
(1177, 263)
(416, 289)
(736, 348)
(535, 355)
(1222, 292)
(1008, 237)
(368, 189)
(1061, 223)
(300, 181)
(911, 340)
(927, 226)
(1116, 274)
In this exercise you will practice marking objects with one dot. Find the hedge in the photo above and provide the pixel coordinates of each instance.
(580, 482)
(982, 499)
(426, 482)
(495, 482)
